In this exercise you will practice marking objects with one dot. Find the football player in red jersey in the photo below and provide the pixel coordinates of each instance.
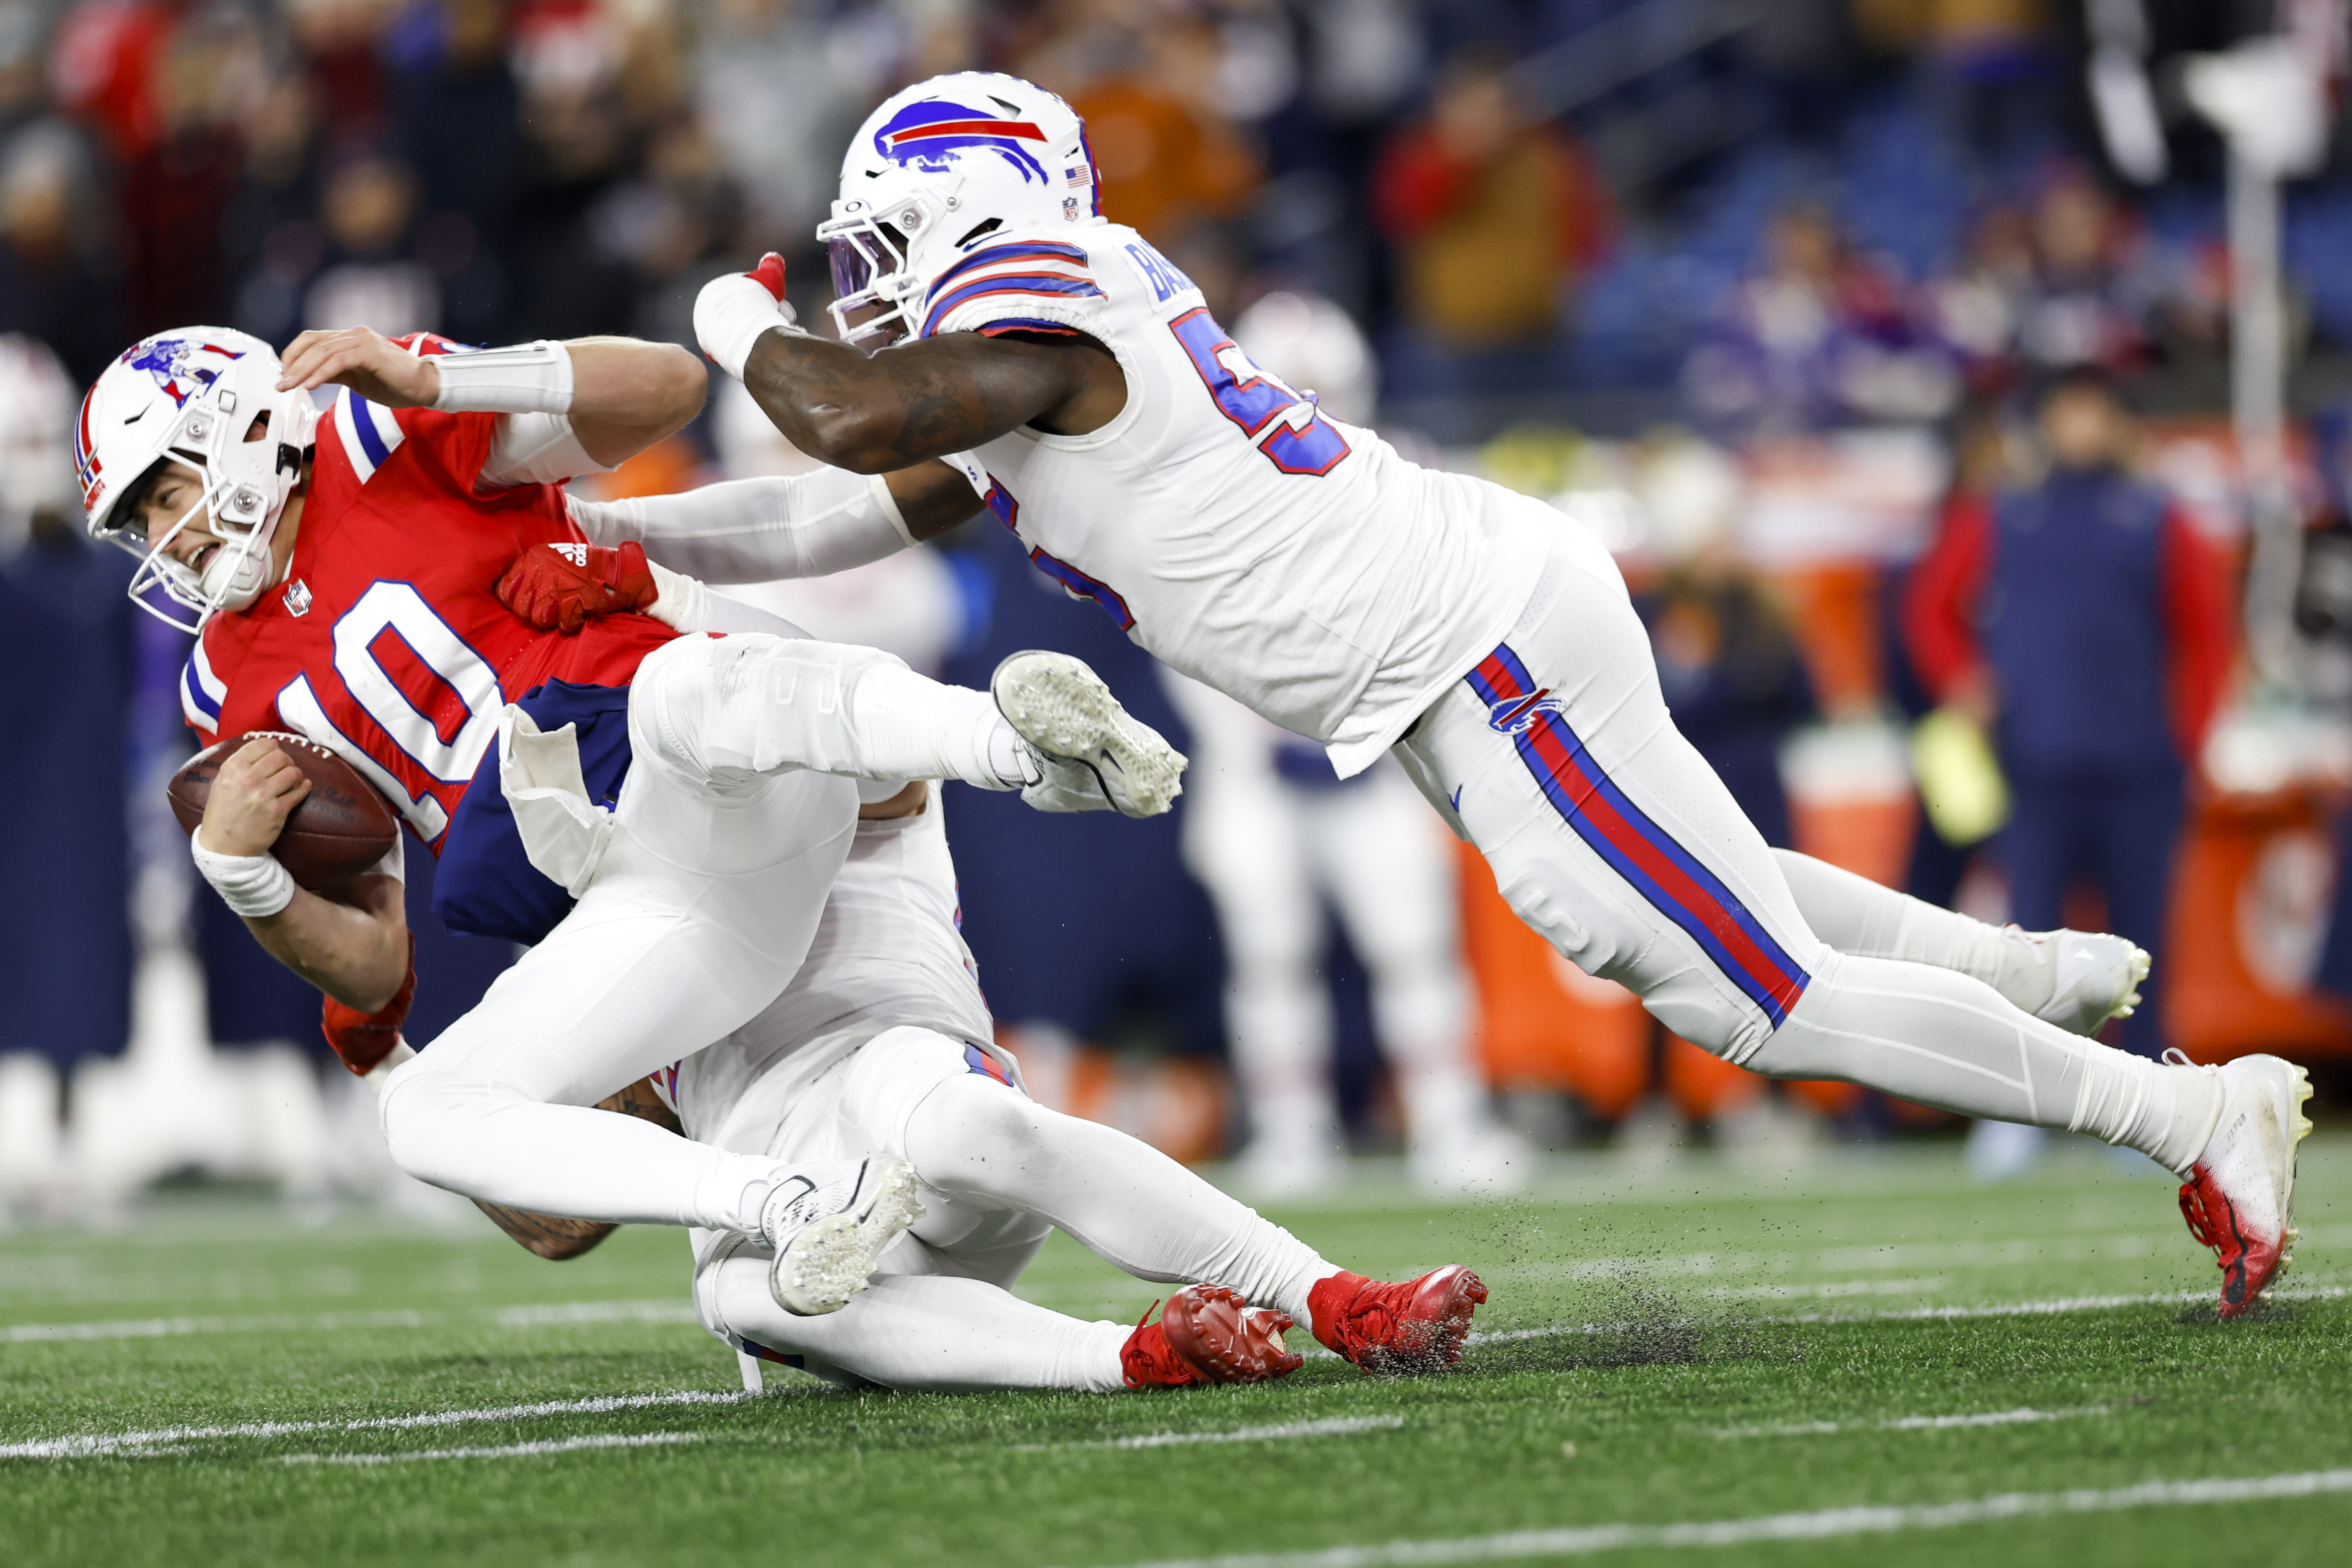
(660, 814)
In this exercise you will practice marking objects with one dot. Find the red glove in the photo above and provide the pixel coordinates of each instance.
(565, 586)
(364, 1039)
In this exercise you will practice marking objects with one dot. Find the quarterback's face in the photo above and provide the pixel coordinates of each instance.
(167, 500)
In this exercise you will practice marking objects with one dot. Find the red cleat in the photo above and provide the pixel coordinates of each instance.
(2239, 1198)
(1408, 1329)
(1207, 1334)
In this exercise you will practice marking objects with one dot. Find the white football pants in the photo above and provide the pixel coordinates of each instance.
(998, 1171)
(1270, 852)
(726, 843)
(1612, 837)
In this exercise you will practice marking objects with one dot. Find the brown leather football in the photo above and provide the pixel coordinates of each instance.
(338, 830)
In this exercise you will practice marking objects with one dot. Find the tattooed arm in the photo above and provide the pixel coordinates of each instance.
(892, 412)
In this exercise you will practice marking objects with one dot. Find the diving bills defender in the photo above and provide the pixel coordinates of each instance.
(1076, 379)
(340, 575)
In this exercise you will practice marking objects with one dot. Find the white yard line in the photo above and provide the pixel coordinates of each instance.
(1825, 1290)
(1338, 1426)
(542, 1315)
(1910, 1422)
(595, 1312)
(1582, 1540)
(509, 1451)
(136, 1445)
(164, 1328)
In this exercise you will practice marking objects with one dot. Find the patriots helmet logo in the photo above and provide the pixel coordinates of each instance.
(168, 360)
(924, 134)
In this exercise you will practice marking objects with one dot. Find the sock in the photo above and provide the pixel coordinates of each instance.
(1116, 1195)
(1942, 1039)
(1854, 915)
(911, 726)
(2167, 1113)
(924, 1331)
(470, 1132)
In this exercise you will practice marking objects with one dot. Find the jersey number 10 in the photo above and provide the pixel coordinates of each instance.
(1286, 428)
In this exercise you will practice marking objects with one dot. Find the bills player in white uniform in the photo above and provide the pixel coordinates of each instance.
(1075, 379)
(883, 1042)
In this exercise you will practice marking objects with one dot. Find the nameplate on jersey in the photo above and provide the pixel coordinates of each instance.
(1164, 277)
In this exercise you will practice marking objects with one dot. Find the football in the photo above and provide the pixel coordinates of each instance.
(338, 831)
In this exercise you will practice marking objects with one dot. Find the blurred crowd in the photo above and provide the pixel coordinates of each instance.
(1811, 275)
(1456, 175)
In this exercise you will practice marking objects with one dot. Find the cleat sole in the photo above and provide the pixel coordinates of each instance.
(1063, 707)
(828, 1262)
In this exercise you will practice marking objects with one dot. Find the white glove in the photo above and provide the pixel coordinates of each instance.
(732, 312)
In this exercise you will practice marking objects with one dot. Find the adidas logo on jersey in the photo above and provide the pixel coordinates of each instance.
(577, 554)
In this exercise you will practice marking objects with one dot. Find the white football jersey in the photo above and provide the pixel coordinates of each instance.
(1231, 527)
(888, 951)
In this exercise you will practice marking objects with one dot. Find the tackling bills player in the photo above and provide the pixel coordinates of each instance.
(883, 1042)
(659, 813)
(1055, 365)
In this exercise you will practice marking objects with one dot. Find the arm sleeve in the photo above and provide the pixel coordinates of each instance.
(1938, 633)
(535, 449)
(757, 530)
(2202, 634)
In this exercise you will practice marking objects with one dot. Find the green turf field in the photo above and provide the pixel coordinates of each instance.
(1866, 1360)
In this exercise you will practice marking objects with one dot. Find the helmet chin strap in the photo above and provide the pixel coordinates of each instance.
(248, 576)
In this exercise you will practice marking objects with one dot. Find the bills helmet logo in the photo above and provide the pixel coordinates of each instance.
(924, 134)
(168, 360)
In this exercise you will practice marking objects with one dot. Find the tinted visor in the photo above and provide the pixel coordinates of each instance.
(852, 269)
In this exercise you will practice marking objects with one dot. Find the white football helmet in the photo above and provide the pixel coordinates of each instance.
(192, 397)
(941, 165)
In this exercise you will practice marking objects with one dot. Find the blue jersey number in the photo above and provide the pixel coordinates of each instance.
(1253, 400)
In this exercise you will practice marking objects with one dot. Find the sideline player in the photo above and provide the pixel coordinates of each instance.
(339, 575)
(1074, 378)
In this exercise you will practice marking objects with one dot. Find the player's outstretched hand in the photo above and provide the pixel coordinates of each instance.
(563, 587)
(736, 310)
(254, 792)
(364, 359)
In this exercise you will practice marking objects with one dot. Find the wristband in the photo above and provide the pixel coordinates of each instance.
(732, 314)
(681, 602)
(255, 886)
(529, 378)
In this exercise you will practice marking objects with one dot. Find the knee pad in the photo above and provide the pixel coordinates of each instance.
(896, 1071)
(414, 1098)
(745, 705)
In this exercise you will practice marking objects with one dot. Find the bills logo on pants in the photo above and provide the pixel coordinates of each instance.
(1636, 848)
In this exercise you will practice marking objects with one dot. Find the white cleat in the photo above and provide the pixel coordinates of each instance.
(2239, 1198)
(1090, 754)
(2092, 976)
(829, 1223)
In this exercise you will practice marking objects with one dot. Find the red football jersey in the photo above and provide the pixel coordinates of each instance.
(385, 643)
